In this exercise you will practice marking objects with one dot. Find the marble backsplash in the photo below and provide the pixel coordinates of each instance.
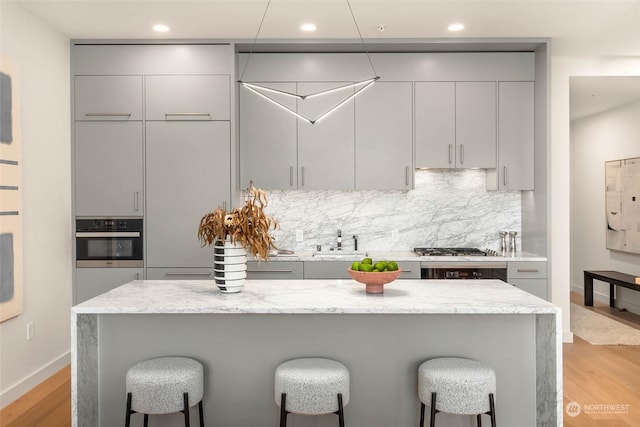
(446, 209)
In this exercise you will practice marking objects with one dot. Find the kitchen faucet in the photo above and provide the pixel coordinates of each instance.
(339, 248)
(355, 243)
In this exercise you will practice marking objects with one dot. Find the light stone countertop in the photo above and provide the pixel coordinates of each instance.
(317, 296)
(400, 255)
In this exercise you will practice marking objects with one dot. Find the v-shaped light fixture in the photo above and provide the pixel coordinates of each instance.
(263, 91)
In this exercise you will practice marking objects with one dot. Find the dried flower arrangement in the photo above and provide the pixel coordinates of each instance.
(248, 225)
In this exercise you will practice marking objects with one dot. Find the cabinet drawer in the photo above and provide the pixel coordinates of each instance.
(327, 269)
(527, 270)
(180, 273)
(187, 97)
(275, 270)
(410, 269)
(108, 97)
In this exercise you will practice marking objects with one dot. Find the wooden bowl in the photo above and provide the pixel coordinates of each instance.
(374, 280)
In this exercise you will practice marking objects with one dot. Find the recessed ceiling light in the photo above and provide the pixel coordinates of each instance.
(308, 27)
(160, 28)
(456, 27)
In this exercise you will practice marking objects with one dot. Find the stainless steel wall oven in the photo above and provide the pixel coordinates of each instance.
(109, 242)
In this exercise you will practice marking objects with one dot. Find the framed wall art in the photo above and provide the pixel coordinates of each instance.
(622, 204)
(11, 267)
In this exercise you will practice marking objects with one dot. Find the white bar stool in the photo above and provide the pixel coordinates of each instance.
(311, 386)
(457, 386)
(163, 386)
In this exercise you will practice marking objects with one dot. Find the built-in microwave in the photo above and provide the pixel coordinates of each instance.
(109, 242)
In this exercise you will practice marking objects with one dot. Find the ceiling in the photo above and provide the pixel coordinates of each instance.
(576, 27)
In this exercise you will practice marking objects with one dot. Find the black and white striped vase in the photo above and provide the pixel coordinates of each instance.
(229, 266)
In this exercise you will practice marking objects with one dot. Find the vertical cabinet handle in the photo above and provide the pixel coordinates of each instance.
(504, 175)
(137, 276)
(302, 175)
(291, 176)
(135, 201)
(406, 176)
(450, 153)
(461, 154)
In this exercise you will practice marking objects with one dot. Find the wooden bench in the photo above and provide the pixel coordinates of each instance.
(614, 278)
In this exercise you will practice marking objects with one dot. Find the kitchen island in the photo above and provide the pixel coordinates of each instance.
(382, 339)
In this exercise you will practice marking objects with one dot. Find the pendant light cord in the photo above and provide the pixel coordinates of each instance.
(255, 39)
(364, 46)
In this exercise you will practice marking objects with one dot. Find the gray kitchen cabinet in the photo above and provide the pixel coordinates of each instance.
(109, 168)
(187, 175)
(268, 140)
(275, 270)
(181, 274)
(327, 269)
(384, 137)
(410, 269)
(455, 124)
(187, 97)
(326, 149)
(91, 282)
(515, 169)
(108, 97)
(530, 276)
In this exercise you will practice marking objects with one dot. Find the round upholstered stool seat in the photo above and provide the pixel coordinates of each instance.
(311, 386)
(457, 386)
(165, 385)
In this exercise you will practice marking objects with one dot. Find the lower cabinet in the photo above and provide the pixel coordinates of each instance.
(276, 270)
(91, 282)
(180, 273)
(530, 276)
(410, 269)
(327, 269)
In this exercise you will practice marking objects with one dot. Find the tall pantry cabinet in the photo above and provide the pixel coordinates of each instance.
(152, 139)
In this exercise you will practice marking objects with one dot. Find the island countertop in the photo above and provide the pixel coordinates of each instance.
(382, 339)
(319, 297)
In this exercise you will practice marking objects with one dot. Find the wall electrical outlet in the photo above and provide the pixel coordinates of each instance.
(299, 236)
(31, 331)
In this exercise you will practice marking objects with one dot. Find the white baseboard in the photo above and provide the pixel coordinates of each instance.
(18, 389)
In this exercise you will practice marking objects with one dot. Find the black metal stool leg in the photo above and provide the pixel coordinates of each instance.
(432, 422)
(146, 420)
(422, 406)
(340, 411)
(201, 413)
(479, 418)
(185, 396)
(283, 411)
(127, 418)
(492, 407)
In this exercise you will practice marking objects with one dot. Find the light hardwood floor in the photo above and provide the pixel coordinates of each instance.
(593, 376)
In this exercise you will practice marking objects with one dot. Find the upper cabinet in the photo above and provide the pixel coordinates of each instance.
(187, 97)
(108, 97)
(384, 137)
(455, 124)
(515, 169)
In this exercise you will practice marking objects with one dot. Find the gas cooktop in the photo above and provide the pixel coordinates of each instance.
(449, 252)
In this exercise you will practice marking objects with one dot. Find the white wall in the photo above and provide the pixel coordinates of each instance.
(611, 135)
(43, 56)
(562, 68)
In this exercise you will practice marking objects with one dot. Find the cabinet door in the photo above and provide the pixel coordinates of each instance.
(108, 168)
(410, 269)
(188, 175)
(198, 97)
(108, 97)
(326, 149)
(476, 125)
(435, 124)
(384, 148)
(327, 269)
(268, 140)
(537, 287)
(515, 135)
(91, 282)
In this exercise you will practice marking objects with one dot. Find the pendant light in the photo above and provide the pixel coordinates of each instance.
(264, 91)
